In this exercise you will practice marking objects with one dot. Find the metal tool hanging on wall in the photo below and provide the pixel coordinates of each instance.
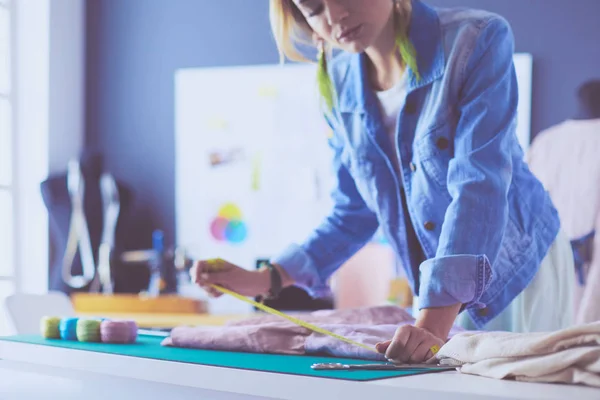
(111, 206)
(79, 235)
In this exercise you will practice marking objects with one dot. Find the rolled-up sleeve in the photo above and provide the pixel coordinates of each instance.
(343, 232)
(479, 175)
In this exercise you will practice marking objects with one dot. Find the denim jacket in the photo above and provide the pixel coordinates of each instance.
(483, 221)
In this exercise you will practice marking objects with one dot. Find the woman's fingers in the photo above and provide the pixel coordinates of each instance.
(207, 270)
(212, 292)
(216, 278)
(208, 266)
(422, 352)
(412, 345)
(199, 272)
(382, 347)
(396, 350)
(206, 273)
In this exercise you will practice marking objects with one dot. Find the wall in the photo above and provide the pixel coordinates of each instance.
(133, 50)
(66, 69)
(563, 38)
(134, 47)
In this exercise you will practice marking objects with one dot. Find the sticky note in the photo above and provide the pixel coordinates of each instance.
(217, 124)
(256, 172)
(268, 91)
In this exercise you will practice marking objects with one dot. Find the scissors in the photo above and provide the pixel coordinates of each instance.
(378, 367)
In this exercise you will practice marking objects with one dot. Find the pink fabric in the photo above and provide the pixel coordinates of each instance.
(364, 316)
(270, 334)
(565, 159)
(282, 338)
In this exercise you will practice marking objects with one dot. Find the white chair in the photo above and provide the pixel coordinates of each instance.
(24, 311)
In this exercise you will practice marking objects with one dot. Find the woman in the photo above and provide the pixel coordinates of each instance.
(423, 107)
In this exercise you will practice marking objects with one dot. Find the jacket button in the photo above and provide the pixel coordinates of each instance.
(413, 167)
(410, 108)
(429, 225)
(483, 312)
(442, 143)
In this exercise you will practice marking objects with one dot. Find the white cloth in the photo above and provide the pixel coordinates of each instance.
(565, 159)
(567, 356)
(391, 102)
(547, 303)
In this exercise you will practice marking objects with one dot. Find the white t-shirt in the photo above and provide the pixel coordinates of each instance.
(391, 102)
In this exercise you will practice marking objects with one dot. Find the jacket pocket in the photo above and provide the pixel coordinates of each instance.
(362, 169)
(516, 245)
(434, 151)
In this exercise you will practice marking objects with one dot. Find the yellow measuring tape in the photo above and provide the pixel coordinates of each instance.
(291, 319)
(217, 265)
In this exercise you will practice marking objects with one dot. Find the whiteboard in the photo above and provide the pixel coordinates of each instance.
(252, 162)
(524, 71)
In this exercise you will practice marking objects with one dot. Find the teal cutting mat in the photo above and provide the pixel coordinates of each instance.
(149, 347)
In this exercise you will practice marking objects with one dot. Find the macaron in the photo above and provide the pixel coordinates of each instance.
(120, 331)
(68, 328)
(49, 327)
(88, 330)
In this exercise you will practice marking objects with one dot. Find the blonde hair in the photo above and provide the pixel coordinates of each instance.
(290, 28)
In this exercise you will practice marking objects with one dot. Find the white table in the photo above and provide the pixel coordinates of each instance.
(30, 371)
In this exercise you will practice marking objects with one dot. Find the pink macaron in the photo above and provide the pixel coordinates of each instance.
(121, 331)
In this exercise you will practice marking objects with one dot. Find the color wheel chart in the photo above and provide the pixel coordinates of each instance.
(228, 225)
(253, 166)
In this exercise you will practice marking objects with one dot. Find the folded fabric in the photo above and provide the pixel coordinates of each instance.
(363, 316)
(282, 338)
(566, 356)
(270, 334)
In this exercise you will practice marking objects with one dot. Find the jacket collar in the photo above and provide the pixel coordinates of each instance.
(425, 34)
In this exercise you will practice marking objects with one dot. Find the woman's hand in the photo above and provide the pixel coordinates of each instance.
(410, 344)
(230, 276)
